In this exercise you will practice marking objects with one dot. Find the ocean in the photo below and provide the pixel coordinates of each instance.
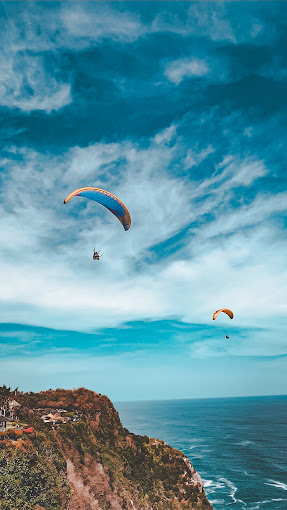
(238, 445)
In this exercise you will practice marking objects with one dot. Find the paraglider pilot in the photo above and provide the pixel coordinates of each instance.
(96, 255)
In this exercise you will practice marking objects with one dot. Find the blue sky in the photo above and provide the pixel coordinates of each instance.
(178, 108)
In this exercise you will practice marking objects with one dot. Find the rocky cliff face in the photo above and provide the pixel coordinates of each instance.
(82, 458)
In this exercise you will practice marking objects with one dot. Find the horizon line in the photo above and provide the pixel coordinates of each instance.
(200, 398)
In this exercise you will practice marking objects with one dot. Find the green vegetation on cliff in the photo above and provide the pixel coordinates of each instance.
(30, 475)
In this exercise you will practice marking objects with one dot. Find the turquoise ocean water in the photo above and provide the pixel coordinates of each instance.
(238, 445)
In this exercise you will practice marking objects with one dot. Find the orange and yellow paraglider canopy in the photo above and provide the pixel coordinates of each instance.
(225, 310)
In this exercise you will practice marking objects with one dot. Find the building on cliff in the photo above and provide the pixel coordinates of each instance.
(3, 422)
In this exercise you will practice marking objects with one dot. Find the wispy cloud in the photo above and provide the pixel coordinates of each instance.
(27, 83)
(177, 70)
(215, 21)
(95, 22)
(194, 158)
(64, 26)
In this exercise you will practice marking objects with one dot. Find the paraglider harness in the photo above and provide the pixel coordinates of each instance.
(97, 255)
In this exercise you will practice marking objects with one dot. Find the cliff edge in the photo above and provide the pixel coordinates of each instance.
(69, 450)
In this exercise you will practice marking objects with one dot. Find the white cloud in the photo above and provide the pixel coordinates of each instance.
(194, 158)
(166, 135)
(179, 69)
(251, 215)
(29, 77)
(216, 21)
(78, 26)
(232, 173)
(25, 84)
(94, 22)
(212, 20)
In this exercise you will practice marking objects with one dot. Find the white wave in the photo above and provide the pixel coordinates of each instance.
(199, 446)
(187, 440)
(233, 490)
(264, 502)
(278, 485)
(244, 472)
(197, 456)
(211, 486)
(245, 443)
(208, 483)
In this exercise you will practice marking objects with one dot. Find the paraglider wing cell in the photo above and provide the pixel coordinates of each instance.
(225, 310)
(107, 199)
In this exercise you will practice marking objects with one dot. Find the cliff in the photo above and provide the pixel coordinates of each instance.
(78, 456)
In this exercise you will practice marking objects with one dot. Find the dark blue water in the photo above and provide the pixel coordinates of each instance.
(238, 445)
